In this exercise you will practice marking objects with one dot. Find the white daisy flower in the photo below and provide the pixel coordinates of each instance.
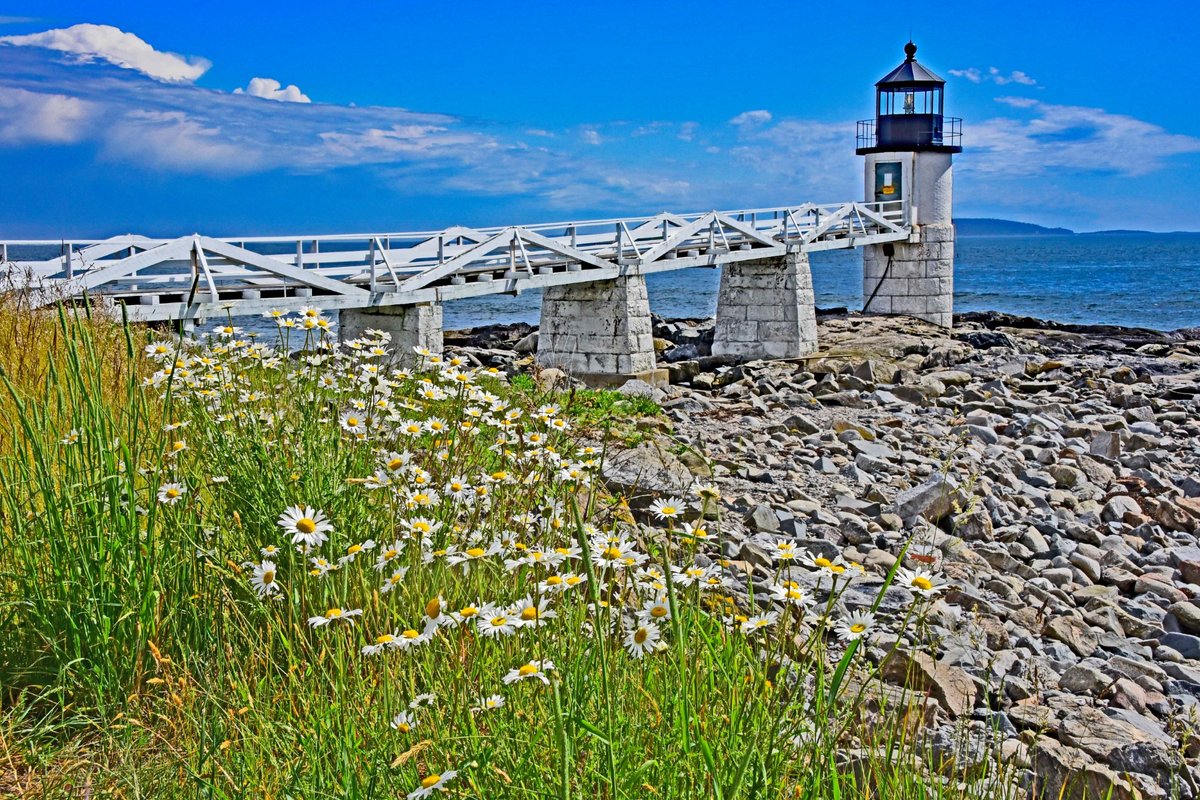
(432, 783)
(855, 626)
(670, 508)
(760, 622)
(920, 581)
(171, 493)
(335, 615)
(405, 721)
(534, 669)
(307, 525)
(642, 639)
(489, 703)
(264, 578)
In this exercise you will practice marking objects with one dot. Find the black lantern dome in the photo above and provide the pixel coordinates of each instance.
(909, 112)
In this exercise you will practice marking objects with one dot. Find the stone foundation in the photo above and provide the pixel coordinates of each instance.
(410, 326)
(599, 332)
(765, 309)
(920, 282)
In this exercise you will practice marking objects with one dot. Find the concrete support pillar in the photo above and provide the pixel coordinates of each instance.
(917, 279)
(411, 327)
(599, 332)
(765, 309)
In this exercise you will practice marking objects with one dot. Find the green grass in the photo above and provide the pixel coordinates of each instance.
(139, 661)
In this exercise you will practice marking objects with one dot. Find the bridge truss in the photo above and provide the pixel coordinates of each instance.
(199, 277)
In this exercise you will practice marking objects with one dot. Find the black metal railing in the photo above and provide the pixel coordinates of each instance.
(910, 130)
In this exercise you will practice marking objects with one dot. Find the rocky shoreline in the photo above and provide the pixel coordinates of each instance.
(1050, 472)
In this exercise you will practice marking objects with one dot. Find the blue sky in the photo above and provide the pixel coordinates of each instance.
(266, 117)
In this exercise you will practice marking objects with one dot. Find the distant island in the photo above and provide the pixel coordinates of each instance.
(986, 226)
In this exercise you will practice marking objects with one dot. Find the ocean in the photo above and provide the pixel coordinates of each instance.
(1131, 279)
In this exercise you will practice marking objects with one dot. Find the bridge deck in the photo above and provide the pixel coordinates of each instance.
(198, 276)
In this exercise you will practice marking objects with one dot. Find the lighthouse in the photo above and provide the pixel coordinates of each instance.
(909, 147)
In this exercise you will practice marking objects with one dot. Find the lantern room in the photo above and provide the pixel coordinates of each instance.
(909, 112)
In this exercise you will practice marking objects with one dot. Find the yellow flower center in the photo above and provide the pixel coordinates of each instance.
(612, 552)
(404, 727)
(431, 780)
(822, 562)
(395, 463)
(574, 580)
(554, 580)
(352, 421)
(433, 609)
(529, 614)
(172, 493)
(527, 669)
(306, 525)
(268, 576)
(411, 634)
(794, 594)
(641, 635)
(469, 611)
(658, 612)
(354, 548)
(475, 552)
(857, 627)
(922, 583)
(390, 554)
(668, 511)
(333, 613)
(499, 622)
(384, 638)
(838, 568)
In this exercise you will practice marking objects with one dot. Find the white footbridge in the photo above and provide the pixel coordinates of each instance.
(202, 277)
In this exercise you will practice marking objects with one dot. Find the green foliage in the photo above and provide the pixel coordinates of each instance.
(134, 631)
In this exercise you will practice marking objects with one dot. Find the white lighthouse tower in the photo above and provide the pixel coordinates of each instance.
(909, 147)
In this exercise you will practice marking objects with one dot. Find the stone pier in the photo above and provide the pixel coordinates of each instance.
(418, 326)
(765, 309)
(917, 279)
(599, 332)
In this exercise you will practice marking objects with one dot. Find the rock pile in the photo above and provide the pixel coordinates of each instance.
(1053, 476)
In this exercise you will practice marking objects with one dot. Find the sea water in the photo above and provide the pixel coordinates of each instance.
(1139, 280)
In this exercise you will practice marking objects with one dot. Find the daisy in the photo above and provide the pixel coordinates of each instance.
(321, 567)
(307, 525)
(920, 581)
(655, 609)
(494, 622)
(789, 593)
(353, 550)
(382, 642)
(464, 558)
(489, 703)
(855, 626)
(270, 551)
(533, 669)
(691, 575)
(171, 493)
(387, 554)
(434, 613)
(432, 783)
(695, 530)
(71, 438)
(410, 637)
(426, 700)
(669, 509)
(707, 493)
(393, 580)
(760, 621)
(263, 580)
(643, 639)
(825, 566)
(404, 722)
(467, 612)
(335, 615)
(353, 422)
(617, 553)
(530, 614)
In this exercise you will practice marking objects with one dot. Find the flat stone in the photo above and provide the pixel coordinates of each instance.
(931, 500)
(951, 687)
(1074, 633)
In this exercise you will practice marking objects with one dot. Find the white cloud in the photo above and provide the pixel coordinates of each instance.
(31, 117)
(687, 131)
(271, 89)
(591, 136)
(1069, 138)
(87, 42)
(994, 75)
(758, 117)
(175, 141)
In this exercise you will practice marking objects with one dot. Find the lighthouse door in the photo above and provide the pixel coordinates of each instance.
(887, 184)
